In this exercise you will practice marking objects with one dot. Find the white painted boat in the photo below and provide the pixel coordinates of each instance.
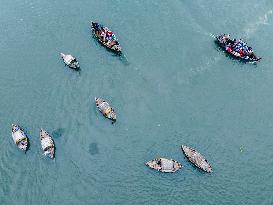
(164, 165)
(70, 61)
(19, 137)
(47, 144)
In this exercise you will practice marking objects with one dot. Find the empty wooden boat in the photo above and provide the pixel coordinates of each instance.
(196, 158)
(164, 165)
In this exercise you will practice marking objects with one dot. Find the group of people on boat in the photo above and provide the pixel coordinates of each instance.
(105, 35)
(238, 48)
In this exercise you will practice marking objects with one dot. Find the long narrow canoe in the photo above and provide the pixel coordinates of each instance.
(196, 158)
(106, 37)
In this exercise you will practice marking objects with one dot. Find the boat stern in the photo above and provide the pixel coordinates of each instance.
(75, 65)
(23, 146)
(113, 116)
(117, 48)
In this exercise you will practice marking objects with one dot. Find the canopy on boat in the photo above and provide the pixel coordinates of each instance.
(167, 164)
(46, 142)
(107, 111)
(18, 136)
(68, 58)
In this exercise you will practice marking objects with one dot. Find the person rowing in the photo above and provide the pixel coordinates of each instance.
(251, 54)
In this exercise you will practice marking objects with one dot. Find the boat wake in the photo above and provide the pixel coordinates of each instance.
(124, 59)
(263, 20)
(212, 35)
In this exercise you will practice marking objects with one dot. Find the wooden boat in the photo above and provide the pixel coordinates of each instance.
(47, 144)
(233, 46)
(70, 61)
(106, 109)
(106, 37)
(19, 137)
(164, 165)
(196, 158)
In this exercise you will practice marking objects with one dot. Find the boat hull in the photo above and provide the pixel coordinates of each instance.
(106, 110)
(19, 137)
(196, 159)
(164, 165)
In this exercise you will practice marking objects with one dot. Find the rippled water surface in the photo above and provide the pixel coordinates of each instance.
(174, 86)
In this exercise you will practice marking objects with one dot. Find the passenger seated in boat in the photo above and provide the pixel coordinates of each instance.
(242, 52)
(48, 148)
(251, 54)
(109, 35)
(112, 43)
(23, 142)
(225, 38)
(102, 36)
(159, 162)
(229, 48)
(229, 42)
(95, 25)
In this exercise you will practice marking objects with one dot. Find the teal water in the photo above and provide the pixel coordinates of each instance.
(174, 87)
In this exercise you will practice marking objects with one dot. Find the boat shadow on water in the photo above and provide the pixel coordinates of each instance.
(55, 135)
(93, 148)
(58, 133)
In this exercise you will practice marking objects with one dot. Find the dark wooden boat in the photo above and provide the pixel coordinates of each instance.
(196, 158)
(106, 37)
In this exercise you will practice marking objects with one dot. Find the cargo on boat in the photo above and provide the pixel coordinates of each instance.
(19, 137)
(106, 109)
(47, 144)
(164, 165)
(196, 158)
(106, 37)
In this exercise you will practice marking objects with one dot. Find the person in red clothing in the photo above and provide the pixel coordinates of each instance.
(241, 52)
